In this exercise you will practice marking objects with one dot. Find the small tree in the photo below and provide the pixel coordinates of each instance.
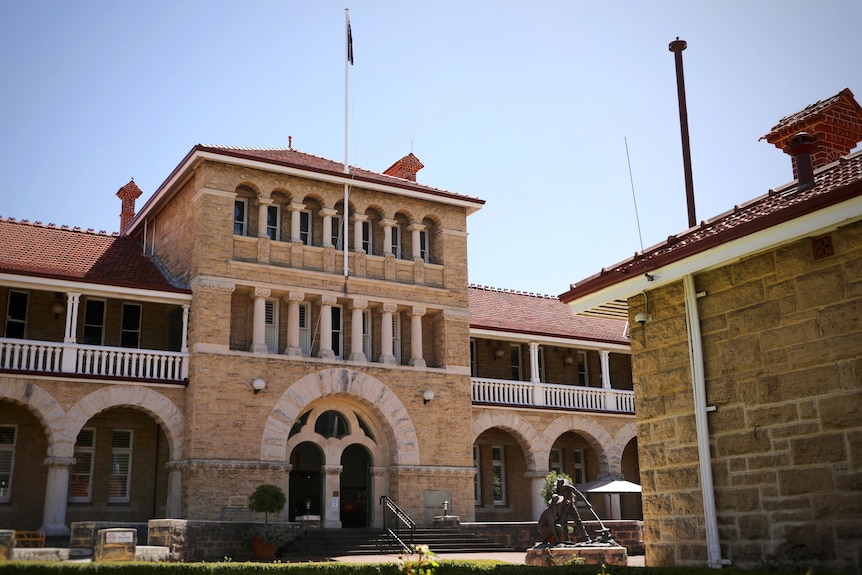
(267, 499)
(549, 485)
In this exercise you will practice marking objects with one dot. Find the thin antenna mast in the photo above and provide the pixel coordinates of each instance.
(649, 276)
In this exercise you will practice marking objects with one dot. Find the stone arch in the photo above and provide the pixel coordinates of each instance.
(592, 431)
(615, 452)
(163, 410)
(47, 410)
(524, 433)
(401, 434)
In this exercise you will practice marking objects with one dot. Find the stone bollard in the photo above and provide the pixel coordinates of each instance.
(7, 544)
(116, 545)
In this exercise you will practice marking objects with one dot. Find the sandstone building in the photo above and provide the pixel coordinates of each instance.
(747, 364)
(237, 332)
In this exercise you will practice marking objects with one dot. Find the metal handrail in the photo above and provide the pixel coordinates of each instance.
(404, 527)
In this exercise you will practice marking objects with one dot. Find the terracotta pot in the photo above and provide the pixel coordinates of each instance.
(261, 550)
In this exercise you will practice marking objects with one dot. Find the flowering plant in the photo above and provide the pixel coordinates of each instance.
(421, 562)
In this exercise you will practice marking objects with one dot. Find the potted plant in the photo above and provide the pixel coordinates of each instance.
(266, 499)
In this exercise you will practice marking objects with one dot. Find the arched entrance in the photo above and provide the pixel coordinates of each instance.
(355, 486)
(304, 484)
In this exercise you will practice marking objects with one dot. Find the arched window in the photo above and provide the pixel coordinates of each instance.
(331, 424)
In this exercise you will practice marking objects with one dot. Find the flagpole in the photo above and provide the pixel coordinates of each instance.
(348, 57)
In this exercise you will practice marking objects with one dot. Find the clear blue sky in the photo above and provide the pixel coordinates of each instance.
(527, 105)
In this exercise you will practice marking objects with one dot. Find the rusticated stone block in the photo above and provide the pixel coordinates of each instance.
(116, 545)
(7, 544)
(552, 556)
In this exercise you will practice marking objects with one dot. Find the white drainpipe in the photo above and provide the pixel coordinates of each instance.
(698, 381)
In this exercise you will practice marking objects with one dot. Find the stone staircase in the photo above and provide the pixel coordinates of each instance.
(319, 544)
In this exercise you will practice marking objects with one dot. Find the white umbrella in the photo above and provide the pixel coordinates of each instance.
(610, 485)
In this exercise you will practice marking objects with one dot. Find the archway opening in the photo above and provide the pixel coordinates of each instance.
(304, 483)
(355, 486)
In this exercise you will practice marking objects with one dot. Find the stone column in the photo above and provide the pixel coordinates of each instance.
(379, 487)
(184, 343)
(415, 229)
(537, 478)
(175, 490)
(358, 220)
(386, 355)
(387, 236)
(295, 208)
(56, 495)
(326, 303)
(70, 353)
(534, 362)
(262, 205)
(416, 359)
(610, 401)
(258, 338)
(357, 307)
(331, 502)
(327, 214)
(293, 300)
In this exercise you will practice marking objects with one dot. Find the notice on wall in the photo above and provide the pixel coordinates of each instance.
(335, 502)
(120, 537)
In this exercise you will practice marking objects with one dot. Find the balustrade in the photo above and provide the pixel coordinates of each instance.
(510, 392)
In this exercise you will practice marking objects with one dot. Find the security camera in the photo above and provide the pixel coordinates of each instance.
(642, 318)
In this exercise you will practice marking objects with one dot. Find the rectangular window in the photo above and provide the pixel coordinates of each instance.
(396, 337)
(515, 355)
(366, 334)
(271, 325)
(304, 330)
(423, 246)
(396, 241)
(498, 469)
(8, 434)
(556, 462)
(130, 335)
(94, 322)
(273, 219)
(81, 474)
(240, 217)
(583, 378)
(474, 370)
(477, 477)
(366, 238)
(337, 340)
(121, 466)
(16, 314)
(579, 469)
(540, 359)
(305, 227)
(335, 240)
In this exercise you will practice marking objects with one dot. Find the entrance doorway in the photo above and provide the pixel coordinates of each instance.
(355, 486)
(304, 485)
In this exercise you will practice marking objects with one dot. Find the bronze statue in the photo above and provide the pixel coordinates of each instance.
(569, 508)
(550, 529)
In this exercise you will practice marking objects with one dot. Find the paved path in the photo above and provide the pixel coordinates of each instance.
(506, 557)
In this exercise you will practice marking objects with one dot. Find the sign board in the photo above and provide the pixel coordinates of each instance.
(120, 537)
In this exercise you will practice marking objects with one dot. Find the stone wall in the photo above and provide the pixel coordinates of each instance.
(782, 341)
(212, 540)
(520, 536)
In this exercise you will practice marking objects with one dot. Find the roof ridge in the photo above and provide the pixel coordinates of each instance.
(514, 292)
(63, 227)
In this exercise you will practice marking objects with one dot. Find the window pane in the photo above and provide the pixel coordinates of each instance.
(17, 305)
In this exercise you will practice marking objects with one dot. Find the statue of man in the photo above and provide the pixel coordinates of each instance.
(569, 508)
(550, 529)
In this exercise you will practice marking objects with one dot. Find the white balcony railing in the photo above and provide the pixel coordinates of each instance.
(120, 362)
(509, 392)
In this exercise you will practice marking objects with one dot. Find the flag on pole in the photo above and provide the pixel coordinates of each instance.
(349, 43)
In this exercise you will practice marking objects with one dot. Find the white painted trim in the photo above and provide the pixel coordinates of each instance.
(97, 290)
(808, 225)
(548, 340)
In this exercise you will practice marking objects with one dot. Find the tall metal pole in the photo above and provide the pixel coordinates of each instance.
(677, 46)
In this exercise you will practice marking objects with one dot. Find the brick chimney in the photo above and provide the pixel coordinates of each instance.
(128, 194)
(835, 124)
(405, 168)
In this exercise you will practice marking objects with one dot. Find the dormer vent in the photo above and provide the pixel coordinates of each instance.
(405, 168)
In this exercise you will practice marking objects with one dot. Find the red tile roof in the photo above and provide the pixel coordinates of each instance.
(543, 315)
(295, 159)
(75, 255)
(792, 123)
(833, 184)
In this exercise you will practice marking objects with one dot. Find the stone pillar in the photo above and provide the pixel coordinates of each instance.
(534, 362)
(56, 495)
(357, 307)
(262, 205)
(293, 300)
(258, 338)
(358, 220)
(331, 502)
(415, 229)
(327, 214)
(73, 302)
(295, 208)
(416, 358)
(379, 487)
(175, 490)
(614, 505)
(326, 303)
(537, 478)
(610, 400)
(386, 355)
(184, 344)
(387, 236)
